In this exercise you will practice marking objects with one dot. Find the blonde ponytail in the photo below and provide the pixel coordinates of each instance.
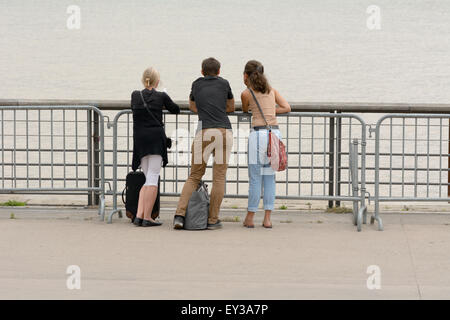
(150, 77)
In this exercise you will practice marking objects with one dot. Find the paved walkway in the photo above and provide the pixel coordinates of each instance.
(305, 256)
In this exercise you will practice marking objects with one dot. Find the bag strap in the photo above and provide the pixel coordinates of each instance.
(123, 192)
(148, 110)
(260, 109)
(204, 186)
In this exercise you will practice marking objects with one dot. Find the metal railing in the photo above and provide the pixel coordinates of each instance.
(320, 166)
(369, 110)
(50, 150)
(310, 141)
(415, 156)
(343, 107)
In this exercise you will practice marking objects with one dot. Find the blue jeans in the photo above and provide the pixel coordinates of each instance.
(261, 175)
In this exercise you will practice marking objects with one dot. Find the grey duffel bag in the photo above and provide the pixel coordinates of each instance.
(197, 211)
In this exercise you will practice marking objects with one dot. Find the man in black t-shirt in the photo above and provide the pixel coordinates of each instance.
(212, 99)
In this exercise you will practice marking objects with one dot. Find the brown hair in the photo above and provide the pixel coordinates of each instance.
(256, 78)
(210, 67)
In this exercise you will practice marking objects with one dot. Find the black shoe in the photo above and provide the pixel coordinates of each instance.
(214, 226)
(148, 223)
(138, 221)
(178, 222)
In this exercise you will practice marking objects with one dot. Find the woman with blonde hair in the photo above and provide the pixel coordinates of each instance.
(149, 141)
(259, 95)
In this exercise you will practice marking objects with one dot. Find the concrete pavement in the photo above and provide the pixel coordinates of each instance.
(307, 255)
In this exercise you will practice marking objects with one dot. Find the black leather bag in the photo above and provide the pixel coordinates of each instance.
(130, 194)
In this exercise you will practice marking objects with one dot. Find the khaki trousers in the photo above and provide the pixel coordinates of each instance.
(218, 142)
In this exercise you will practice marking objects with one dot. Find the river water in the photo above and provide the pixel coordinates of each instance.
(313, 51)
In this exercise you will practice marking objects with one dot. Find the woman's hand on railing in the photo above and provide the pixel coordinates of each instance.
(282, 104)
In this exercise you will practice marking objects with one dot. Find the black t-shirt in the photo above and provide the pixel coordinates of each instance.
(210, 94)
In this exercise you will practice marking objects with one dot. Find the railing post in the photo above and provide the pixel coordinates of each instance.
(331, 162)
(353, 163)
(114, 168)
(96, 156)
(101, 168)
(448, 172)
(338, 158)
(376, 214)
(89, 155)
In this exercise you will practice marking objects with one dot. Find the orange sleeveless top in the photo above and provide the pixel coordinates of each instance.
(268, 105)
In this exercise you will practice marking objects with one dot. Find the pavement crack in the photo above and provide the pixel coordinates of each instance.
(411, 258)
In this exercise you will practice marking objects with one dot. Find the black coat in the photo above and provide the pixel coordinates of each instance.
(148, 135)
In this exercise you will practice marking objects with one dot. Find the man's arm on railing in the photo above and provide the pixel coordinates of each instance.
(230, 105)
(283, 105)
(192, 106)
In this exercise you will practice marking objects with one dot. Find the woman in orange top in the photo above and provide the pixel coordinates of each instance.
(261, 175)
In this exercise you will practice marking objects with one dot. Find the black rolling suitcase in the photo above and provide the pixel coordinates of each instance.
(130, 194)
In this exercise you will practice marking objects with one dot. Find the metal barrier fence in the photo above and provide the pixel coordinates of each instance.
(414, 151)
(311, 140)
(50, 150)
(61, 149)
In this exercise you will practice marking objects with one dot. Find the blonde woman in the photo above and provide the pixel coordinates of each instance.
(149, 141)
(261, 175)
